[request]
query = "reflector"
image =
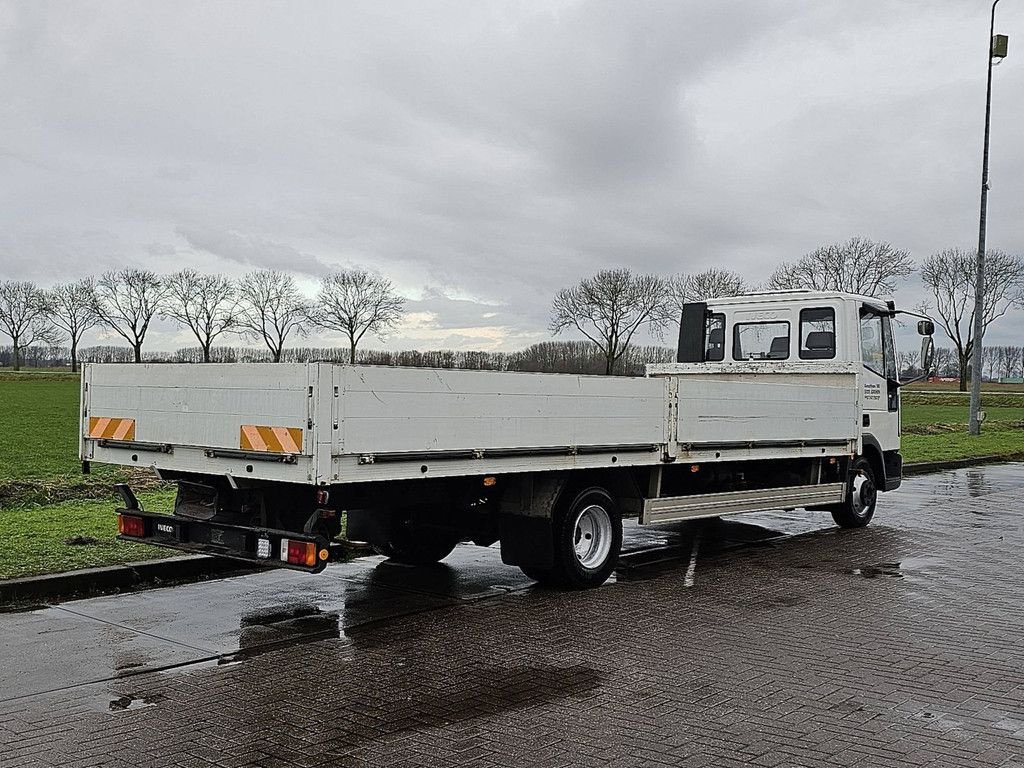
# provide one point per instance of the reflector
(263, 548)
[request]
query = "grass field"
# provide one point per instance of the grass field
(40, 416)
(45, 501)
(914, 413)
(70, 535)
(39, 466)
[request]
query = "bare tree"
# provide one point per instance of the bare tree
(272, 308)
(24, 316)
(205, 304)
(857, 266)
(946, 362)
(355, 302)
(950, 276)
(906, 363)
(126, 302)
(990, 356)
(73, 307)
(610, 307)
(710, 284)
(1014, 361)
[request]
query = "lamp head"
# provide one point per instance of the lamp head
(999, 43)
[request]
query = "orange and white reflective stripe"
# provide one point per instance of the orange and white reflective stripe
(270, 439)
(111, 429)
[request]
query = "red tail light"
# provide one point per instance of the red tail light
(129, 525)
(298, 552)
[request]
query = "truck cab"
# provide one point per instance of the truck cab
(789, 331)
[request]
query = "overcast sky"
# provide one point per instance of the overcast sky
(483, 154)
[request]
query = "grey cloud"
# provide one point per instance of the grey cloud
(251, 251)
(496, 150)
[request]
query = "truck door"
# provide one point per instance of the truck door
(880, 394)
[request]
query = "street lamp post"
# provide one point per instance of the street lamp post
(996, 50)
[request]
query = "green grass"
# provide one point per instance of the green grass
(44, 498)
(39, 427)
(954, 387)
(914, 413)
(949, 446)
(36, 538)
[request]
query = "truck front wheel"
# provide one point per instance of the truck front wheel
(861, 497)
(587, 539)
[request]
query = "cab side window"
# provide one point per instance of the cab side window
(891, 372)
(817, 334)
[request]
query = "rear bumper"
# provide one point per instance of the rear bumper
(237, 542)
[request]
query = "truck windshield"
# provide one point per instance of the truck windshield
(876, 346)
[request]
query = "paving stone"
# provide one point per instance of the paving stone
(897, 645)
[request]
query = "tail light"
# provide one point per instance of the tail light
(300, 552)
(130, 525)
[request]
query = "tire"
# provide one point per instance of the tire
(587, 539)
(415, 545)
(861, 497)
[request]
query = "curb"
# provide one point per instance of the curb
(117, 577)
(926, 467)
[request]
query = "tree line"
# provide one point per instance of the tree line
(265, 306)
(608, 308)
(999, 362)
(544, 357)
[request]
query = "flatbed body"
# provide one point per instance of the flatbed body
(357, 423)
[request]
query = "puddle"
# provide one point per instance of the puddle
(908, 568)
(127, 703)
(278, 614)
(487, 691)
(883, 570)
(278, 627)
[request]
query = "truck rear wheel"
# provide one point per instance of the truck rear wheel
(587, 539)
(861, 497)
(417, 545)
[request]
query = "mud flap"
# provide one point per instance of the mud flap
(526, 541)
(525, 522)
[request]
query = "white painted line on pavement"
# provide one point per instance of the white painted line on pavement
(692, 568)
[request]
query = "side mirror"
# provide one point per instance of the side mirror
(925, 327)
(927, 354)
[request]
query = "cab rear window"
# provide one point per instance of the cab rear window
(817, 333)
(761, 341)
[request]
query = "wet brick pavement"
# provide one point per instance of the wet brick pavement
(901, 644)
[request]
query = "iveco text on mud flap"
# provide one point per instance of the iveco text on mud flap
(777, 400)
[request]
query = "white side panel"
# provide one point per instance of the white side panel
(201, 405)
(197, 408)
(389, 410)
(750, 408)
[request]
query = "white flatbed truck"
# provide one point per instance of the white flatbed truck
(778, 401)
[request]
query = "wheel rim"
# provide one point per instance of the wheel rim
(593, 536)
(862, 496)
